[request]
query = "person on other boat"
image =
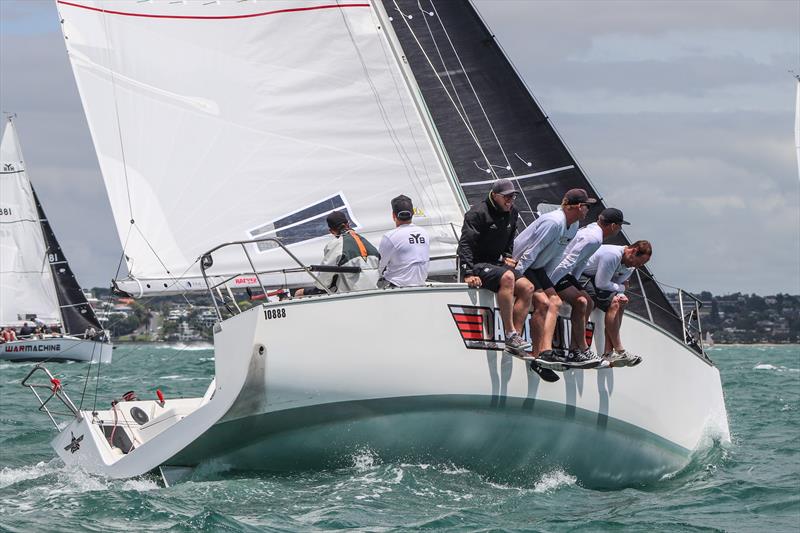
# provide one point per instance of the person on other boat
(347, 249)
(9, 334)
(25, 330)
(90, 333)
(485, 256)
(405, 250)
(569, 269)
(538, 247)
(605, 278)
(5, 336)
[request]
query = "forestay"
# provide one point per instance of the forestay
(26, 283)
(218, 122)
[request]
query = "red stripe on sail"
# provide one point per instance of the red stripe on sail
(472, 335)
(470, 327)
(221, 17)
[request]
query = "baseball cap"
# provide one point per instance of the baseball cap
(578, 196)
(402, 207)
(504, 186)
(613, 215)
(336, 219)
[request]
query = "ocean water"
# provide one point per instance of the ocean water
(751, 484)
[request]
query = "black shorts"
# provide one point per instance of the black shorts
(490, 275)
(601, 298)
(567, 281)
(539, 278)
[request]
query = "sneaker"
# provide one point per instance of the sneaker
(552, 360)
(545, 373)
(622, 358)
(615, 359)
(517, 345)
(632, 359)
(582, 359)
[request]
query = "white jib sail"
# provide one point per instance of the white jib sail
(217, 122)
(26, 283)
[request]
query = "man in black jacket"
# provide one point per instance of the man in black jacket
(484, 253)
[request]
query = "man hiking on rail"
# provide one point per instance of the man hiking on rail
(347, 249)
(537, 247)
(566, 274)
(605, 279)
(485, 256)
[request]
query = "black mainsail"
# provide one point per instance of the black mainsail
(76, 313)
(491, 125)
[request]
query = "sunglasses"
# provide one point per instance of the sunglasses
(510, 196)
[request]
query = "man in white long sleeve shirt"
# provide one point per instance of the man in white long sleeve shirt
(605, 279)
(566, 274)
(534, 249)
(404, 251)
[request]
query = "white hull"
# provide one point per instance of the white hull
(56, 349)
(389, 371)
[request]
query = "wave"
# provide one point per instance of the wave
(767, 366)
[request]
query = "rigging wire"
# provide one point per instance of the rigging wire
(426, 192)
(401, 151)
(430, 63)
(480, 104)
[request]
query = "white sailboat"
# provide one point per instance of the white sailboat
(37, 286)
(226, 132)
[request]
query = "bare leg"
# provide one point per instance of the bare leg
(579, 302)
(553, 305)
(540, 305)
(618, 342)
(523, 293)
(613, 321)
(505, 300)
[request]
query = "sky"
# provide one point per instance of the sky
(680, 112)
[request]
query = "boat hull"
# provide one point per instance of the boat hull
(309, 383)
(56, 349)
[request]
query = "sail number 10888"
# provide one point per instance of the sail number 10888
(275, 313)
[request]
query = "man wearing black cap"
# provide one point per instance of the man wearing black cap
(347, 249)
(537, 247)
(605, 279)
(485, 257)
(404, 251)
(569, 270)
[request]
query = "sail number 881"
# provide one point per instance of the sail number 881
(275, 313)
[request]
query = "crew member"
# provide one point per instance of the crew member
(485, 257)
(538, 246)
(404, 251)
(569, 270)
(347, 249)
(605, 279)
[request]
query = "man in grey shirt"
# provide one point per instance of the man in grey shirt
(605, 278)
